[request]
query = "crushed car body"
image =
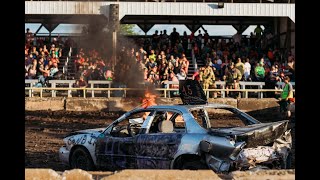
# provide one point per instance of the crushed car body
(181, 137)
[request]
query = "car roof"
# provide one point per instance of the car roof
(182, 107)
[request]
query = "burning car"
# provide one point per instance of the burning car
(181, 137)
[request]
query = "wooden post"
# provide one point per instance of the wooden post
(40, 92)
(92, 92)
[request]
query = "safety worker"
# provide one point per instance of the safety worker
(286, 96)
(207, 78)
(232, 78)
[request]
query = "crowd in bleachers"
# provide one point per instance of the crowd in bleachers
(257, 58)
(166, 57)
(42, 57)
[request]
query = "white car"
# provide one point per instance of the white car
(180, 137)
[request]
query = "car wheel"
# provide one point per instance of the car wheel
(81, 159)
(194, 165)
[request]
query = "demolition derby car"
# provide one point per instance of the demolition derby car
(215, 136)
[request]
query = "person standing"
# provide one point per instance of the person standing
(207, 78)
(247, 70)
(259, 72)
(232, 77)
(286, 95)
(240, 66)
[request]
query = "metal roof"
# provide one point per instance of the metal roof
(163, 8)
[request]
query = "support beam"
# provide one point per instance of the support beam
(50, 26)
(240, 27)
(203, 28)
(193, 27)
(145, 27)
(277, 31)
(38, 29)
(288, 35)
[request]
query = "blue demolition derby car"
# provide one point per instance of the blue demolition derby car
(181, 137)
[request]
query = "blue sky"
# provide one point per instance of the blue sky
(214, 30)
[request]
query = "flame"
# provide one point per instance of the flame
(148, 100)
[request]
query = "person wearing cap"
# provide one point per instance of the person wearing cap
(207, 78)
(286, 96)
(232, 77)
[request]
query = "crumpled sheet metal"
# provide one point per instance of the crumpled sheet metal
(251, 156)
(280, 149)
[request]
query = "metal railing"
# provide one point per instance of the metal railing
(166, 91)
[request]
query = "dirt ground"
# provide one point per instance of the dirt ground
(44, 131)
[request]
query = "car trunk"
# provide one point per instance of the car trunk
(254, 135)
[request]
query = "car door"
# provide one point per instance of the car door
(116, 149)
(156, 149)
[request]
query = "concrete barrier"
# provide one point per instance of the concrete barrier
(229, 101)
(263, 175)
(41, 174)
(158, 174)
(252, 104)
(126, 104)
(36, 104)
(164, 174)
(76, 174)
(86, 104)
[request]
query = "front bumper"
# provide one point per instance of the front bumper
(64, 155)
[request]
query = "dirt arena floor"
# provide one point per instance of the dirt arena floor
(44, 131)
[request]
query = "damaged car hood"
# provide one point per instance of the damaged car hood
(87, 131)
(254, 135)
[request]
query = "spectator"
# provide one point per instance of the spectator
(247, 70)
(152, 55)
(53, 71)
(173, 78)
(185, 41)
(237, 38)
(142, 54)
(181, 75)
(258, 32)
(155, 39)
(163, 80)
(270, 82)
(259, 72)
(286, 95)
(207, 78)
(81, 83)
(216, 66)
(29, 38)
(199, 40)
(240, 67)
(174, 37)
(233, 76)
(196, 74)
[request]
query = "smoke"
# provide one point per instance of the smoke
(97, 36)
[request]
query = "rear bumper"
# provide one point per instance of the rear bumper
(64, 155)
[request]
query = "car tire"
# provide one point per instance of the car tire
(194, 165)
(81, 159)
